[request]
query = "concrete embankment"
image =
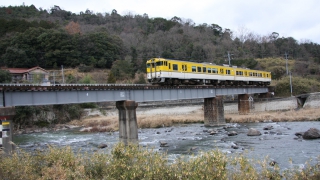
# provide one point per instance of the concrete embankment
(312, 101)
(261, 105)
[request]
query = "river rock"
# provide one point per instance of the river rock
(163, 144)
(268, 128)
(234, 147)
(312, 133)
(253, 132)
(273, 163)
(101, 146)
(232, 133)
(193, 148)
(213, 132)
(299, 134)
(85, 129)
(70, 126)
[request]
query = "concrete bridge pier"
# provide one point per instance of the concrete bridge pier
(6, 129)
(243, 104)
(214, 111)
(128, 126)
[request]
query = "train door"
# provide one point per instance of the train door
(151, 69)
(184, 71)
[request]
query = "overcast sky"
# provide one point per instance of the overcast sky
(299, 19)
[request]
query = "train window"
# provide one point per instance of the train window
(159, 63)
(204, 69)
(148, 65)
(169, 65)
(194, 69)
(245, 73)
(184, 67)
(175, 67)
(267, 75)
(209, 70)
(165, 63)
(227, 71)
(239, 73)
(221, 71)
(199, 69)
(214, 70)
(250, 74)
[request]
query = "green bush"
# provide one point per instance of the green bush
(87, 79)
(88, 105)
(299, 86)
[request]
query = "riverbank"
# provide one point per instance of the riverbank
(106, 121)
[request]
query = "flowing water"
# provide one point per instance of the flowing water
(280, 143)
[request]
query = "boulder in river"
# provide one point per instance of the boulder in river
(268, 128)
(101, 146)
(213, 132)
(299, 134)
(253, 132)
(163, 144)
(312, 133)
(234, 146)
(232, 133)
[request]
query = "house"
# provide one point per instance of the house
(33, 75)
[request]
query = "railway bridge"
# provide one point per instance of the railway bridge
(127, 97)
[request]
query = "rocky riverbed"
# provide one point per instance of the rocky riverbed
(282, 142)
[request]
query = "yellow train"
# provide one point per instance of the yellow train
(176, 72)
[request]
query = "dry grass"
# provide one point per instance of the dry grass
(110, 123)
(154, 121)
(135, 162)
(276, 116)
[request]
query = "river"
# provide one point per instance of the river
(280, 143)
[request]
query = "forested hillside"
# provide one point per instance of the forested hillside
(55, 37)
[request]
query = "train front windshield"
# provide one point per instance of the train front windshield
(159, 63)
(150, 65)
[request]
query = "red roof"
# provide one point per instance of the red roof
(23, 70)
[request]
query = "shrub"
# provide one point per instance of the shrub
(135, 162)
(299, 86)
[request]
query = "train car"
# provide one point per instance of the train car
(175, 72)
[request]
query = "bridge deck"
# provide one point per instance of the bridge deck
(25, 95)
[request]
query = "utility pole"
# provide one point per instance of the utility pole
(286, 55)
(290, 84)
(62, 74)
